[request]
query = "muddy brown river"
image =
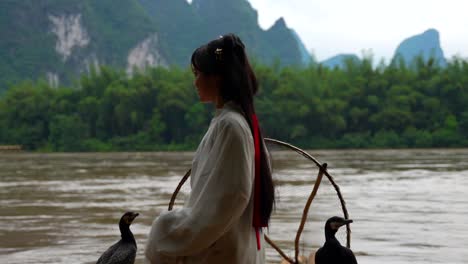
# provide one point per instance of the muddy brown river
(408, 206)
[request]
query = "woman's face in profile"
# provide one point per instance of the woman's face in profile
(207, 85)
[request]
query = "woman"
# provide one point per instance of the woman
(232, 192)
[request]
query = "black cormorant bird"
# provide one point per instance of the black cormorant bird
(124, 251)
(332, 251)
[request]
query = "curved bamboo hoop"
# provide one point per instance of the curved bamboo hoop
(330, 178)
(177, 190)
(174, 196)
(322, 171)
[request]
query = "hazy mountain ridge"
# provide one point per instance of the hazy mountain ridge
(427, 45)
(60, 39)
(340, 60)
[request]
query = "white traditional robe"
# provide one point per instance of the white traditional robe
(215, 224)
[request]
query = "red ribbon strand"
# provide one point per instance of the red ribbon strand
(257, 221)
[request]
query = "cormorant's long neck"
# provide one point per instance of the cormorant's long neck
(330, 235)
(127, 235)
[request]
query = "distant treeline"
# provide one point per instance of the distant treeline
(357, 106)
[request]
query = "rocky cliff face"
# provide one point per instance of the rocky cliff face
(59, 40)
(69, 33)
(145, 54)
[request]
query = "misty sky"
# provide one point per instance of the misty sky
(329, 27)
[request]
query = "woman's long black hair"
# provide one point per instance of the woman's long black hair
(226, 57)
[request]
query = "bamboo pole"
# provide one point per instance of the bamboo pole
(273, 245)
(306, 211)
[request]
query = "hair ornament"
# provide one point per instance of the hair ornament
(219, 54)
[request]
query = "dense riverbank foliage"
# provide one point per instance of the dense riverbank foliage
(358, 106)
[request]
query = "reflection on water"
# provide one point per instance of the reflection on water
(407, 205)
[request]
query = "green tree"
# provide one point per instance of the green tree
(67, 133)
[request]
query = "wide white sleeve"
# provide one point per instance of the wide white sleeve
(224, 191)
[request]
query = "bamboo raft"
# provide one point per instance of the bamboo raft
(322, 171)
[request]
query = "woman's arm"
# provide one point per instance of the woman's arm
(217, 200)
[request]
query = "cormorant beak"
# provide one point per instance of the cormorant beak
(134, 215)
(347, 221)
(137, 214)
